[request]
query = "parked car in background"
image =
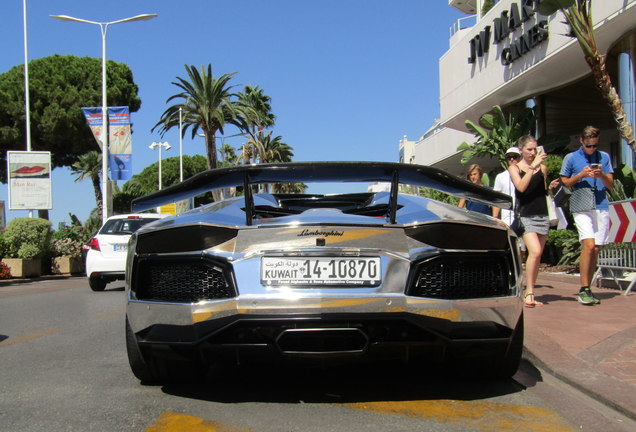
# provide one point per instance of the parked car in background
(107, 249)
(85, 248)
(345, 277)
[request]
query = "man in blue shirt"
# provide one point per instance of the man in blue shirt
(588, 171)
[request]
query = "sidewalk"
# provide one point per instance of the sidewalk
(591, 347)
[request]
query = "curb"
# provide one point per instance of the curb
(590, 375)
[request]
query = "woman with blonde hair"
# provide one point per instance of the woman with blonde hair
(529, 177)
(473, 175)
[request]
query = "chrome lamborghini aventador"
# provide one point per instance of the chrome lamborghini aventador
(335, 277)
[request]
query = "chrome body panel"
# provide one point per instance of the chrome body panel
(503, 311)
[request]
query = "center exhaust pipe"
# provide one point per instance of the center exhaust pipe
(322, 342)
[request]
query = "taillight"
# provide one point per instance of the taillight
(94, 244)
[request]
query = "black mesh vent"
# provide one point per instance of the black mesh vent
(182, 281)
(462, 276)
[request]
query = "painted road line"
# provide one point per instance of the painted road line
(26, 338)
(486, 416)
(174, 422)
(112, 314)
(16, 290)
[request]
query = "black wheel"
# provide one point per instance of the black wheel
(500, 364)
(509, 363)
(138, 364)
(96, 284)
(151, 369)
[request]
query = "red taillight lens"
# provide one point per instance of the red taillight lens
(94, 244)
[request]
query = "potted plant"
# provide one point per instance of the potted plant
(66, 249)
(26, 241)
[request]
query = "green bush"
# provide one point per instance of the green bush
(3, 246)
(568, 241)
(27, 238)
(571, 251)
(560, 237)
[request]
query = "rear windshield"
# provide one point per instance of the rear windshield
(124, 226)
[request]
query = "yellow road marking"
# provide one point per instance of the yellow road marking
(26, 338)
(112, 314)
(24, 290)
(486, 416)
(174, 422)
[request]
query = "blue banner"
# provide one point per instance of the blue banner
(119, 139)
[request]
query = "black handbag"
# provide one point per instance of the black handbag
(561, 194)
(517, 225)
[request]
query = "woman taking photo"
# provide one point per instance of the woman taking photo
(529, 177)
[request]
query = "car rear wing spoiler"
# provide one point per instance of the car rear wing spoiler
(315, 172)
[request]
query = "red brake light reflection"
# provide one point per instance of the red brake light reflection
(94, 244)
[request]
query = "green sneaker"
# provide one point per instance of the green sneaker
(589, 293)
(585, 297)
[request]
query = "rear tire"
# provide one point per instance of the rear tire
(501, 364)
(508, 365)
(138, 364)
(151, 369)
(96, 284)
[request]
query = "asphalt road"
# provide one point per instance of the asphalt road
(63, 367)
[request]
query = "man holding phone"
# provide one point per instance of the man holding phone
(588, 171)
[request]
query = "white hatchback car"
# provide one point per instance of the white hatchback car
(106, 258)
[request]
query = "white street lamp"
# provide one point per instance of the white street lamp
(161, 145)
(105, 138)
(180, 144)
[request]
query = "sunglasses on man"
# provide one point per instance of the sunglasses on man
(590, 145)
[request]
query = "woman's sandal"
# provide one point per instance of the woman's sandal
(531, 304)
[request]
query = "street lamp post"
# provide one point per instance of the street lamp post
(105, 138)
(161, 145)
(180, 144)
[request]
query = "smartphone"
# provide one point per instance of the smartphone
(595, 166)
(540, 150)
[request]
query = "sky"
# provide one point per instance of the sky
(348, 79)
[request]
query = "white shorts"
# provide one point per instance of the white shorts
(593, 224)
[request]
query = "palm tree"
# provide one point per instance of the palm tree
(228, 155)
(207, 104)
(89, 165)
(269, 150)
(255, 116)
(274, 150)
(495, 134)
(578, 14)
(258, 108)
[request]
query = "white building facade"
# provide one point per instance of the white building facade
(514, 57)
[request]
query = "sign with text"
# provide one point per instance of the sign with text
(29, 177)
(119, 139)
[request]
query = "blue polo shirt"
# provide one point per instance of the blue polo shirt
(573, 163)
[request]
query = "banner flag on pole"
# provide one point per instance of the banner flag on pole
(120, 142)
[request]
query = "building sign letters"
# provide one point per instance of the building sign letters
(507, 23)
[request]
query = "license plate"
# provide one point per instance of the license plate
(340, 271)
(120, 247)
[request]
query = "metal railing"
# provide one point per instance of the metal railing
(617, 256)
(463, 23)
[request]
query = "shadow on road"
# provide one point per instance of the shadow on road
(293, 384)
